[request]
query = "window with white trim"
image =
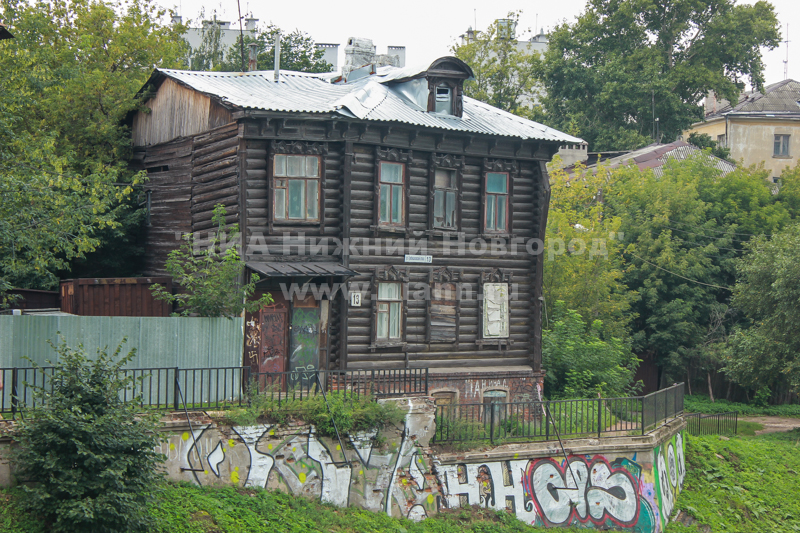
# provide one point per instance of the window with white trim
(391, 204)
(389, 318)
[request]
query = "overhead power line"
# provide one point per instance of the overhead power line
(678, 275)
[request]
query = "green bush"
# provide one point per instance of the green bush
(582, 361)
(351, 413)
(90, 457)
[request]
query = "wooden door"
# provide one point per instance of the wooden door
(274, 332)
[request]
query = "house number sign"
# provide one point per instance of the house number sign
(355, 299)
(419, 258)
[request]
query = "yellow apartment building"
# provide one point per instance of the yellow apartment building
(760, 128)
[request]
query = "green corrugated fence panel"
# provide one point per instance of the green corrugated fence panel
(159, 341)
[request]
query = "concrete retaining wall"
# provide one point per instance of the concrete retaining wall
(628, 483)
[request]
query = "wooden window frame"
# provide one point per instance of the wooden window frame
(444, 275)
(295, 148)
(511, 168)
(448, 162)
(779, 153)
(456, 93)
(389, 275)
(495, 275)
(391, 155)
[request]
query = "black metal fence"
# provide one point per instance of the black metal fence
(376, 383)
(716, 424)
(217, 388)
(550, 420)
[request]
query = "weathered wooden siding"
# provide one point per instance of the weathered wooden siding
(215, 177)
(168, 168)
(176, 111)
(269, 245)
(418, 352)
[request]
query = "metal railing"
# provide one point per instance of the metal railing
(529, 421)
(716, 424)
(375, 383)
(173, 388)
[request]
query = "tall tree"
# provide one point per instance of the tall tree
(625, 63)
(298, 52)
(503, 68)
(768, 292)
(67, 82)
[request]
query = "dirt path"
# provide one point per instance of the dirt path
(773, 424)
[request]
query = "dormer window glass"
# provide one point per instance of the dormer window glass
(444, 100)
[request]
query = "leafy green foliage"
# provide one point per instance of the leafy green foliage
(766, 353)
(67, 82)
(89, 454)
(350, 413)
(504, 75)
(210, 276)
(703, 141)
(581, 361)
(742, 484)
(298, 51)
(622, 64)
(699, 403)
(587, 274)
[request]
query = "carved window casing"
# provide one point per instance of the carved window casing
(392, 193)
(445, 197)
(389, 309)
(444, 309)
(497, 195)
(495, 316)
(296, 176)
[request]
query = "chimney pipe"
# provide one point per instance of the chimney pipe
(252, 64)
(277, 48)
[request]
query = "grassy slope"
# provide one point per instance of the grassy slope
(742, 485)
(189, 509)
(699, 403)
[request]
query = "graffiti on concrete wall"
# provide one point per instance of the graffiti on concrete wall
(395, 478)
(401, 478)
(669, 471)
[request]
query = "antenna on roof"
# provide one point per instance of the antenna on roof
(241, 32)
(786, 61)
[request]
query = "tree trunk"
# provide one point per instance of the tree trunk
(710, 388)
(689, 381)
(730, 389)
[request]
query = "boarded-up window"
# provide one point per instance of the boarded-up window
(495, 311)
(444, 305)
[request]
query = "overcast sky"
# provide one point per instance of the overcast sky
(429, 28)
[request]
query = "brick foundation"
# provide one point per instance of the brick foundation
(470, 385)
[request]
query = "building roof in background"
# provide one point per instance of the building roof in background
(655, 156)
(779, 99)
(372, 98)
(4, 33)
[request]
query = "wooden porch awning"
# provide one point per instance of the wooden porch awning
(277, 269)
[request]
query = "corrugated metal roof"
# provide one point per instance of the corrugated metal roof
(780, 98)
(370, 98)
(655, 156)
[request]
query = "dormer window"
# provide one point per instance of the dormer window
(445, 86)
(444, 100)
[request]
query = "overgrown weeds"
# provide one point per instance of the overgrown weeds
(698, 403)
(350, 413)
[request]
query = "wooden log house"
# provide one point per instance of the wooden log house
(379, 209)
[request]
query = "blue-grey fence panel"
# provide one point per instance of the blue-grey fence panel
(160, 342)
